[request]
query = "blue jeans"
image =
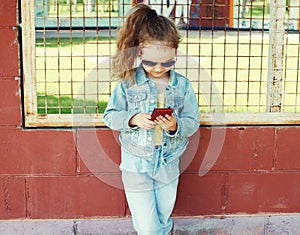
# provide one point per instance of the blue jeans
(151, 197)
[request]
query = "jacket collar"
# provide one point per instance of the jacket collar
(140, 76)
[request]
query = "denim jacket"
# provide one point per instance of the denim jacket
(126, 101)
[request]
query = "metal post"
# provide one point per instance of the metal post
(276, 55)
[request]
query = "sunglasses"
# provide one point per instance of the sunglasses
(163, 64)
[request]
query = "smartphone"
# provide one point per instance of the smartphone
(161, 111)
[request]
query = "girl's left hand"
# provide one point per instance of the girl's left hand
(168, 123)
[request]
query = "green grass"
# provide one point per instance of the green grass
(67, 105)
(260, 9)
(50, 104)
(102, 9)
(235, 62)
(68, 42)
(77, 69)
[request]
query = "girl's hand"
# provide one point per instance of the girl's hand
(142, 120)
(168, 123)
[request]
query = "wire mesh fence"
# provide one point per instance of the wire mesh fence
(226, 52)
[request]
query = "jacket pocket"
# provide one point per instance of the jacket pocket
(175, 148)
(136, 100)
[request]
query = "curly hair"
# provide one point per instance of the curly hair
(142, 26)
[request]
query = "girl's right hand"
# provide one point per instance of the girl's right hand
(142, 120)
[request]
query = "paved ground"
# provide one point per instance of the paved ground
(288, 224)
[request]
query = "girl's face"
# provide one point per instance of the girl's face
(157, 60)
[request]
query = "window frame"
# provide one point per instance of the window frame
(272, 116)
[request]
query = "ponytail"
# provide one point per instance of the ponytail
(143, 25)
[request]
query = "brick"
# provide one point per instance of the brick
(8, 13)
(10, 103)
(263, 193)
(194, 160)
(244, 149)
(191, 158)
(9, 64)
(200, 195)
(287, 148)
(12, 198)
(37, 151)
(98, 151)
(73, 197)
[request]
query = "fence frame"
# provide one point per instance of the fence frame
(272, 116)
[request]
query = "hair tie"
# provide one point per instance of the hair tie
(151, 14)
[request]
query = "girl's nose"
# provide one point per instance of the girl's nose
(158, 67)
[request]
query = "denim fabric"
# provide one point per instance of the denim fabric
(132, 163)
(150, 173)
(151, 197)
(127, 100)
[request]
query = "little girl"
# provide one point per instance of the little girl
(150, 148)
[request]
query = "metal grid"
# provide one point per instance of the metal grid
(72, 69)
(231, 72)
(241, 56)
(291, 63)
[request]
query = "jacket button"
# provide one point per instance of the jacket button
(149, 138)
(152, 101)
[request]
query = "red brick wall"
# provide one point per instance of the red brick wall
(43, 172)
